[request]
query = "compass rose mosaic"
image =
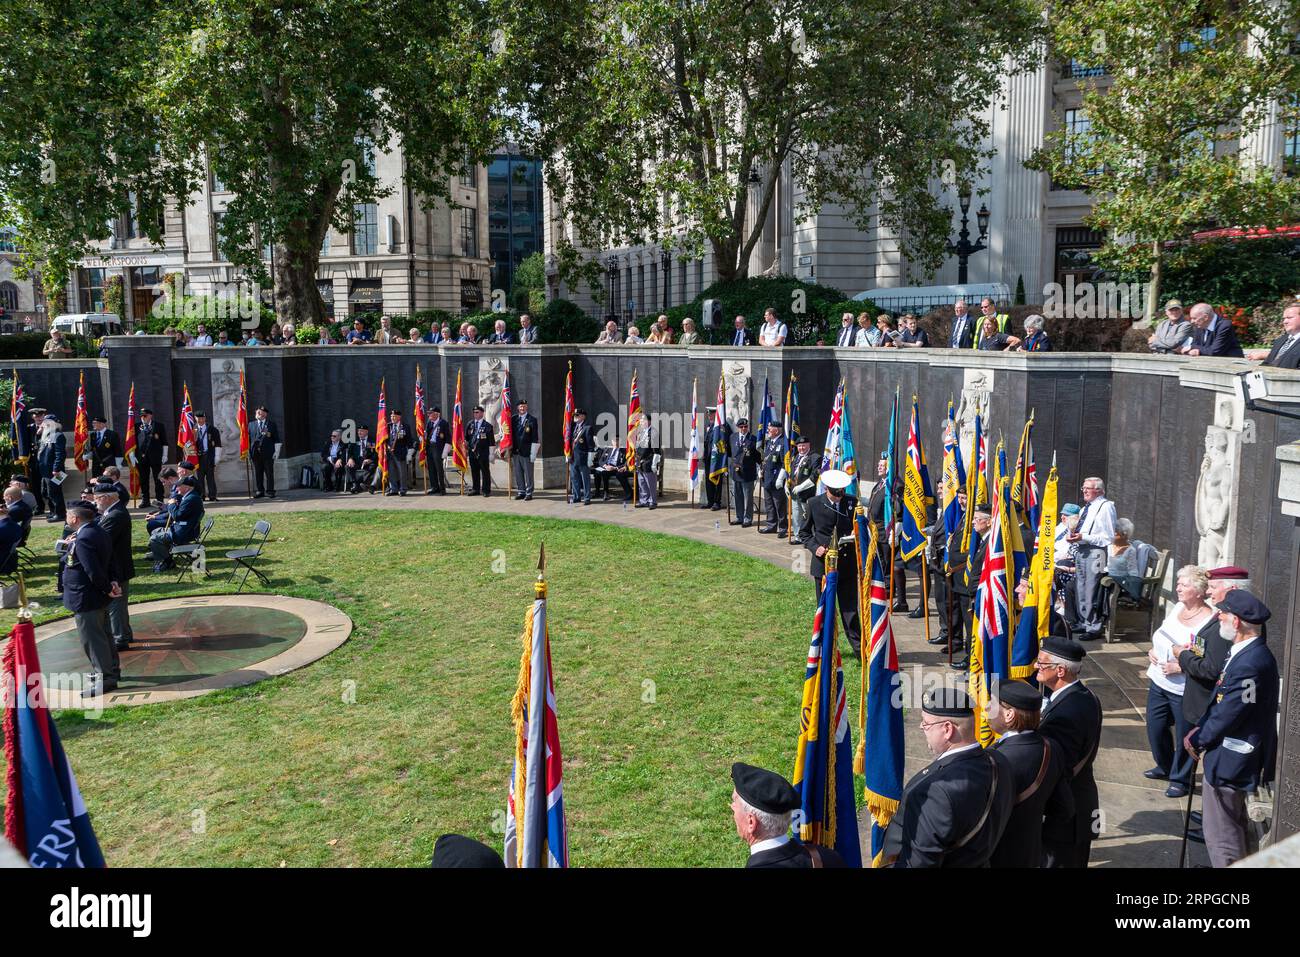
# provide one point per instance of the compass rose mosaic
(186, 647)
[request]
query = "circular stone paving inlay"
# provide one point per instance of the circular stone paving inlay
(185, 647)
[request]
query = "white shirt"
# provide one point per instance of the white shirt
(769, 844)
(203, 340)
(847, 335)
(951, 751)
(1239, 646)
(1057, 693)
(1173, 632)
(1061, 548)
(1010, 734)
(771, 332)
(1098, 526)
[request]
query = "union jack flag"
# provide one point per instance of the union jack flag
(459, 450)
(990, 660)
(536, 831)
(186, 430)
(838, 453)
(882, 719)
(17, 406)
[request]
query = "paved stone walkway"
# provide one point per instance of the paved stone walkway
(1141, 827)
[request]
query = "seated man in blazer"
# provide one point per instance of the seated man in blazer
(1212, 335)
(1285, 353)
(611, 464)
(182, 528)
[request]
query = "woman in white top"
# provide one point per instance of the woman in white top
(1166, 726)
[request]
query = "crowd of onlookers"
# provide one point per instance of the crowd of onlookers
(1199, 332)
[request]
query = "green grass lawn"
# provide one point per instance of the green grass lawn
(672, 659)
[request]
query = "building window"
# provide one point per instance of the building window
(365, 229)
(1077, 70)
(699, 276)
(469, 232)
(1206, 38)
(90, 287)
(1075, 246)
(469, 178)
(1290, 142)
(220, 239)
(8, 296)
(8, 240)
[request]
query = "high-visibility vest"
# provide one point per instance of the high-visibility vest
(1001, 319)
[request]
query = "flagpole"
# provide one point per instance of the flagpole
(925, 599)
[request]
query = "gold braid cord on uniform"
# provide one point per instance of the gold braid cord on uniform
(518, 705)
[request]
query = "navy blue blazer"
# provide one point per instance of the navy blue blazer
(744, 457)
(1239, 731)
(1220, 339)
(52, 455)
(186, 516)
(86, 583)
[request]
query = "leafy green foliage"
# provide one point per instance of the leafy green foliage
(1226, 271)
(671, 120)
(807, 309)
(1184, 83)
(529, 292)
(22, 345)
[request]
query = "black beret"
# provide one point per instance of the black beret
(1066, 648)
(82, 503)
(187, 464)
(763, 789)
(740, 422)
(455, 850)
(1019, 694)
(189, 481)
(146, 411)
(802, 439)
(200, 415)
(948, 702)
(105, 488)
(1245, 606)
(478, 408)
(98, 418)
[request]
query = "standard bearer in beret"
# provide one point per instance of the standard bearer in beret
(762, 803)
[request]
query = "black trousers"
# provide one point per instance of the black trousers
(208, 473)
(35, 483)
(846, 599)
(776, 508)
(54, 498)
(712, 492)
(1060, 854)
(480, 474)
(149, 479)
(332, 476)
(602, 480)
(264, 472)
(437, 474)
(361, 476)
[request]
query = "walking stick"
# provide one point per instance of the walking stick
(925, 600)
(948, 592)
(510, 455)
(1187, 817)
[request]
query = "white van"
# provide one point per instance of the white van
(93, 324)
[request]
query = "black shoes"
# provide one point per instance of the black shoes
(899, 606)
(746, 524)
(121, 644)
(259, 495)
(916, 613)
(766, 530)
(734, 521)
(472, 492)
(1176, 791)
(938, 640)
(528, 497)
(1155, 774)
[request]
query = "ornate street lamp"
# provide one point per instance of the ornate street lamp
(666, 263)
(963, 248)
(611, 269)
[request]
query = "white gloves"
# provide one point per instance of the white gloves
(216, 455)
(276, 454)
(164, 458)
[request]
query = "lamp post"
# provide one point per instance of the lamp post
(666, 264)
(611, 271)
(963, 248)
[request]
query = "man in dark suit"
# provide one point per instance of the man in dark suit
(31, 430)
(18, 510)
(963, 327)
(363, 461)
(1238, 733)
(116, 521)
(828, 519)
(183, 527)
(1212, 335)
(437, 435)
(611, 465)
(87, 589)
(11, 531)
(741, 336)
(479, 439)
(105, 446)
(524, 438)
(717, 446)
(501, 336)
(762, 805)
(52, 456)
(207, 450)
(954, 811)
(1072, 719)
(581, 445)
(744, 457)
(848, 332)
(150, 451)
(333, 462)
(262, 441)
(774, 450)
(399, 446)
(1285, 353)
(1037, 773)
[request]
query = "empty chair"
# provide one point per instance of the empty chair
(247, 556)
(196, 551)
